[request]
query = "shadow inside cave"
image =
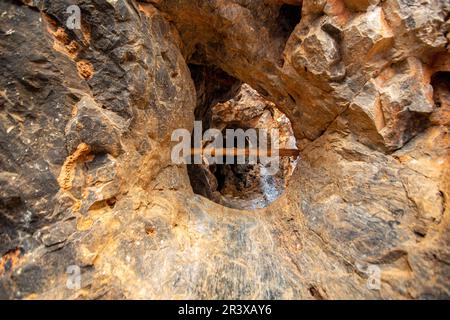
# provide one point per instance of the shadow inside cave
(225, 104)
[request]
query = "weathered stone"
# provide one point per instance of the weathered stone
(244, 186)
(86, 179)
(319, 54)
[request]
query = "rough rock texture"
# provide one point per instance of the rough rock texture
(244, 186)
(85, 171)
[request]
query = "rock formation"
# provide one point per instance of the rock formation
(87, 181)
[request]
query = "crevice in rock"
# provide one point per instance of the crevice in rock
(288, 18)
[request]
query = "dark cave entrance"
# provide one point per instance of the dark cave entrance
(231, 107)
(289, 16)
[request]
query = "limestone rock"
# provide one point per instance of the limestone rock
(86, 179)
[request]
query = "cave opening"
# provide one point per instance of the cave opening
(288, 18)
(231, 107)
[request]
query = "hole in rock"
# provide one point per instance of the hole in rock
(241, 175)
(441, 86)
(289, 17)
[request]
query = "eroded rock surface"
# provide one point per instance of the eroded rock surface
(85, 172)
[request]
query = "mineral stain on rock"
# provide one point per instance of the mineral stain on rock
(360, 88)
